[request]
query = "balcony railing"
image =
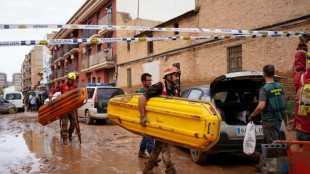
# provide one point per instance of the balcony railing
(85, 63)
(106, 20)
(97, 58)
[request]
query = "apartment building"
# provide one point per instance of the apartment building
(3, 79)
(90, 63)
(32, 69)
(47, 58)
(17, 81)
(201, 61)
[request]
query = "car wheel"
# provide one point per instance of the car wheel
(199, 157)
(88, 120)
(11, 111)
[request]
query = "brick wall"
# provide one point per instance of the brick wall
(201, 64)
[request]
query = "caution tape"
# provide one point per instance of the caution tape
(133, 39)
(141, 28)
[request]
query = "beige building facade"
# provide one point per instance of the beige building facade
(201, 61)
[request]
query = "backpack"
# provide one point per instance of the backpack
(303, 95)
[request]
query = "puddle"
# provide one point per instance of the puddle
(13, 151)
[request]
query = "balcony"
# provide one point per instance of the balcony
(85, 63)
(70, 49)
(105, 20)
(101, 60)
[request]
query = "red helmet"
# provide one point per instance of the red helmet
(171, 70)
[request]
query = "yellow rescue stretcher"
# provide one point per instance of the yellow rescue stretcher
(188, 123)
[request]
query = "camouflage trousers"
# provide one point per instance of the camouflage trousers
(64, 124)
(164, 148)
(271, 130)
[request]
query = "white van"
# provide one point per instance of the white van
(17, 99)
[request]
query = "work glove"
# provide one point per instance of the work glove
(143, 121)
(250, 117)
(304, 38)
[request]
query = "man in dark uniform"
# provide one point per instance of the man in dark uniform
(146, 143)
(168, 88)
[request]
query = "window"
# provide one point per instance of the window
(90, 92)
(94, 80)
(90, 51)
(234, 58)
(195, 94)
(176, 65)
(77, 83)
(150, 48)
(176, 25)
(99, 79)
(129, 78)
(99, 47)
(98, 16)
(83, 83)
(109, 9)
(128, 46)
(89, 80)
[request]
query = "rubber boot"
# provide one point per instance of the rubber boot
(157, 161)
(148, 168)
(142, 154)
(170, 169)
(70, 136)
(65, 141)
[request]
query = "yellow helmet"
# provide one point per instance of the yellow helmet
(71, 76)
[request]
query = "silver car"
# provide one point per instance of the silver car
(235, 95)
(7, 107)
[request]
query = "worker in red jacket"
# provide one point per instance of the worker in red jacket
(64, 119)
(302, 89)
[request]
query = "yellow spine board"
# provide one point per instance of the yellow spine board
(189, 123)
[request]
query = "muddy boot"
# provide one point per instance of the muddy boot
(148, 168)
(70, 136)
(157, 161)
(170, 169)
(65, 141)
(142, 154)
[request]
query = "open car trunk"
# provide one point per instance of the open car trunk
(237, 94)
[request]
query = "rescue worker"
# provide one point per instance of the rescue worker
(168, 88)
(301, 82)
(146, 143)
(69, 85)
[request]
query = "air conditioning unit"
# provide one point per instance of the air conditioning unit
(55, 66)
(66, 60)
(84, 51)
(55, 48)
(72, 57)
(59, 63)
(72, 34)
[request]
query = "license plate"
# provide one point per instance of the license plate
(242, 130)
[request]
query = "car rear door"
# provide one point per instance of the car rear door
(103, 97)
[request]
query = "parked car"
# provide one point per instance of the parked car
(98, 95)
(16, 98)
(6, 106)
(234, 95)
(57, 94)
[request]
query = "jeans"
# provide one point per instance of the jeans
(147, 143)
(302, 136)
(271, 130)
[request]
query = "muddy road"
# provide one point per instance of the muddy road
(28, 147)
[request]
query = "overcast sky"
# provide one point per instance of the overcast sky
(59, 12)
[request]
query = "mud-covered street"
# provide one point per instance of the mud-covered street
(28, 147)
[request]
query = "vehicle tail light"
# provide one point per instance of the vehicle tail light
(95, 100)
